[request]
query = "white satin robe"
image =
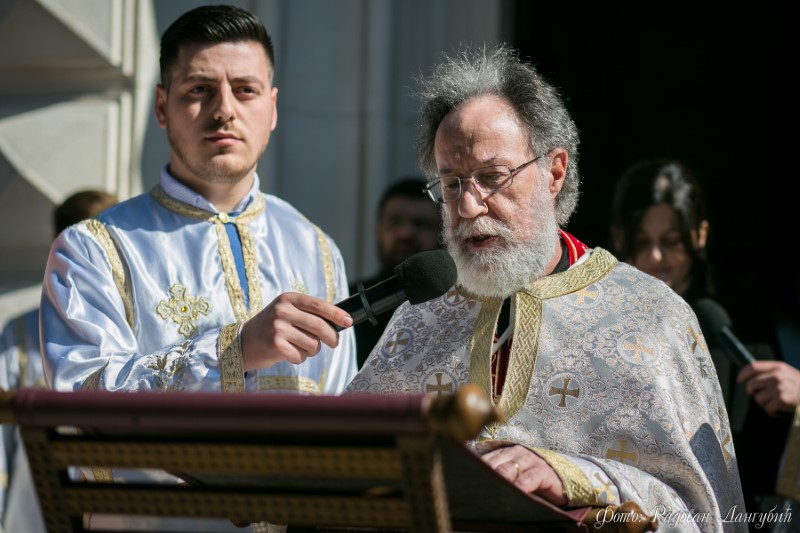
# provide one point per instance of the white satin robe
(147, 297)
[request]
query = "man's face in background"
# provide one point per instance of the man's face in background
(407, 226)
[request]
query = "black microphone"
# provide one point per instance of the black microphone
(421, 277)
(716, 323)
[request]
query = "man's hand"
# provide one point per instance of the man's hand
(527, 471)
(291, 328)
(774, 385)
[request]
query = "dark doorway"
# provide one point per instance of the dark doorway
(708, 85)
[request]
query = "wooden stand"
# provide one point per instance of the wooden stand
(317, 463)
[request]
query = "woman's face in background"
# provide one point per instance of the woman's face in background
(659, 249)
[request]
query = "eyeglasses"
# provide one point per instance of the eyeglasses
(487, 180)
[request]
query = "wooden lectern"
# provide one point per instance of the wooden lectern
(354, 462)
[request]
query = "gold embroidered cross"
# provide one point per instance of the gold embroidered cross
(183, 309)
(399, 341)
(165, 375)
(564, 392)
(638, 349)
(440, 387)
(695, 338)
(586, 294)
(621, 455)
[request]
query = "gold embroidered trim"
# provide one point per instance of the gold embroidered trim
(158, 194)
(327, 264)
(250, 264)
(229, 355)
(232, 281)
(527, 326)
(289, 383)
(480, 371)
(596, 267)
(118, 269)
(524, 352)
(577, 486)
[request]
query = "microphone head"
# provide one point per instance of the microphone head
(712, 317)
(426, 275)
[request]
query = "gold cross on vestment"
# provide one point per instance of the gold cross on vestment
(621, 455)
(564, 392)
(440, 387)
(182, 309)
(638, 349)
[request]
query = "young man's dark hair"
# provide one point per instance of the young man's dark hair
(212, 24)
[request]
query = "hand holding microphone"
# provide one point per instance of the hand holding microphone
(293, 326)
(421, 277)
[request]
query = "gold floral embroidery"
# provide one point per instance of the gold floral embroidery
(167, 377)
(183, 309)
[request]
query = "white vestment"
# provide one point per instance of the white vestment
(609, 380)
(150, 296)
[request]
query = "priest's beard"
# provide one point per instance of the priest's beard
(519, 260)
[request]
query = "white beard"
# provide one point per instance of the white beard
(519, 260)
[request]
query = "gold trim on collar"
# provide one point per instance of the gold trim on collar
(118, 268)
(232, 281)
(527, 327)
(176, 206)
(596, 266)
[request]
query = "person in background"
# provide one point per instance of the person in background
(21, 366)
(204, 283)
(408, 223)
(659, 224)
(597, 367)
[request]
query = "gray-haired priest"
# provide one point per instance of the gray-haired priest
(602, 373)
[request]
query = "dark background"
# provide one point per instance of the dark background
(710, 86)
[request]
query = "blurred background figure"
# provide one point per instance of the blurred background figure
(408, 223)
(21, 366)
(660, 224)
